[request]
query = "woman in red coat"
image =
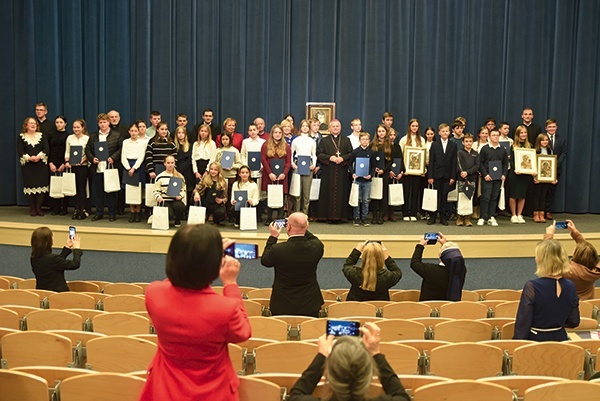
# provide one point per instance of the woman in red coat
(275, 154)
(194, 324)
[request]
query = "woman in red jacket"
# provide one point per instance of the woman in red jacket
(194, 324)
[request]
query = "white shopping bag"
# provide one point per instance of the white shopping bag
(464, 206)
(248, 218)
(133, 194)
(196, 215)
(69, 186)
(353, 200)
(56, 182)
(396, 194)
(430, 199)
(502, 199)
(315, 189)
(160, 218)
(275, 196)
(112, 182)
(377, 188)
(295, 185)
(150, 199)
(453, 195)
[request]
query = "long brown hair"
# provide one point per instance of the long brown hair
(409, 134)
(274, 148)
(386, 146)
(207, 180)
(185, 144)
(41, 242)
(372, 263)
(517, 140)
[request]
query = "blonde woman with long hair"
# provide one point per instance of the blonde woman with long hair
(177, 203)
(212, 191)
(377, 273)
(277, 150)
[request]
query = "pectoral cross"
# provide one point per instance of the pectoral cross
(337, 153)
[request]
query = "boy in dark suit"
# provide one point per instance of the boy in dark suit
(442, 172)
(558, 144)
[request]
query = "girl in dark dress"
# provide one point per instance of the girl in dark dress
(540, 189)
(49, 268)
(32, 148)
(57, 142)
(184, 159)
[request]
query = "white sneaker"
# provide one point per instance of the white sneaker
(413, 218)
(492, 222)
(406, 219)
(480, 222)
(520, 220)
(514, 219)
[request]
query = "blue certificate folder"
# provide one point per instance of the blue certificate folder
(396, 166)
(379, 160)
(227, 159)
(130, 180)
(495, 169)
(254, 161)
(277, 166)
(506, 146)
(303, 164)
(361, 166)
(175, 184)
(241, 198)
(101, 151)
(76, 154)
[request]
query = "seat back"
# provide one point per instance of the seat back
(469, 296)
(351, 308)
(121, 323)
(120, 354)
(19, 297)
(465, 361)
(124, 303)
(69, 300)
(549, 359)
(313, 329)
(35, 348)
(405, 295)
(254, 389)
(400, 329)
(83, 286)
(505, 295)
(461, 390)
(507, 309)
(461, 330)
(276, 357)
(253, 308)
(27, 284)
(268, 327)
(22, 386)
(236, 354)
(464, 310)
(402, 358)
(123, 288)
(519, 384)
(561, 391)
(259, 293)
(9, 319)
(406, 310)
(103, 386)
(54, 319)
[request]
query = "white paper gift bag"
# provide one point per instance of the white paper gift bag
(453, 195)
(353, 200)
(315, 189)
(112, 182)
(248, 218)
(430, 199)
(56, 186)
(196, 215)
(377, 188)
(160, 218)
(69, 186)
(133, 194)
(275, 196)
(295, 185)
(396, 194)
(149, 193)
(501, 198)
(464, 206)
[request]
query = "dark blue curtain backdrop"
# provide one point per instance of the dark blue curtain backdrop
(432, 60)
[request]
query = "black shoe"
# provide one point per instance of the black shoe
(112, 218)
(431, 221)
(444, 222)
(177, 223)
(97, 217)
(132, 218)
(137, 217)
(82, 216)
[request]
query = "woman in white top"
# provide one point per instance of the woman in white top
(177, 203)
(304, 145)
(81, 170)
(252, 144)
(133, 154)
(482, 138)
(203, 150)
(412, 183)
(244, 183)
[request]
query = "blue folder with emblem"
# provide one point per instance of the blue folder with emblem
(379, 158)
(101, 151)
(175, 184)
(254, 161)
(495, 169)
(277, 166)
(396, 166)
(76, 154)
(361, 166)
(241, 198)
(303, 164)
(227, 159)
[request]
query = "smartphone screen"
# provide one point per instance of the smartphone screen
(242, 251)
(431, 238)
(560, 224)
(72, 232)
(374, 242)
(281, 223)
(343, 328)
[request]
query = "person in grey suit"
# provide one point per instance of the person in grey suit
(295, 287)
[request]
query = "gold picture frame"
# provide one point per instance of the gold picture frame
(525, 161)
(546, 168)
(414, 160)
(324, 112)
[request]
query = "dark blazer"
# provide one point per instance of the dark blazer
(442, 165)
(49, 269)
(560, 150)
(295, 288)
(114, 142)
(386, 279)
(435, 277)
(304, 387)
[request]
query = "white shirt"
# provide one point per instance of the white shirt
(133, 150)
(354, 140)
(72, 140)
(304, 145)
(102, 138)
(252, 145)
(202, 151)
(251, 187)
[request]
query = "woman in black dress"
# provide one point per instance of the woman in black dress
(49, 268)
(32, 148)
(57, 142)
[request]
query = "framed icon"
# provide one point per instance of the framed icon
(525, 161)
(546, 168)
(414, 160)
(324, 112)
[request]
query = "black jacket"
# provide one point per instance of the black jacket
(435, 277)
(49, 269)
(386, 279)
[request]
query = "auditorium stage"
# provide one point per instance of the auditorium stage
(506, 241)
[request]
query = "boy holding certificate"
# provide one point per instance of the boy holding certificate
(362, 167)
(493, 167)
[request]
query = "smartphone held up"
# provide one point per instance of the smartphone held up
(242, 251)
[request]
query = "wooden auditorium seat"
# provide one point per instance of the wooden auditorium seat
(351, 308)
(121, 323)
(123, 288)
(83, 286)
(120, 354)
(329, 295)
(19, 297)
(124, 303)
(254, 389)
(69, 300)
(35, 348)
(54, 375)
(236, 354)
(461, 330)
(470, 296)
(563, 391)
(285, 357)
(22, 386)
(9, 319)
(27, 284)
(284, 380)
(401, 329)
(549, 359)
(461, 390)
(519, 384)
(465, 361)
(269, 327)
(406, 310)
(4, 283)
(402, 358)
(259, 293)
(313, 329)
(405, 295)
(79, 340)
(101, 284)
(413, 382)
(507, 309)
(53, 319)
(508, 331)
(253, 308)
(505, 295)
(464, 310)
(103, 386)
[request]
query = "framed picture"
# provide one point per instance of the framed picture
(525, 161)
(546, 168)
(324, 112)
(414, 160)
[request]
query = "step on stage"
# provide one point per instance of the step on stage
(505, 241)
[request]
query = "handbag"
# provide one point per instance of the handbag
(111, 180)
(429, 200)
(396, 194)
(502, 199)
(197, 214)
(377, 188)
(149, 194)
(133, 194)
(248, 218)
(160, 217)
(295, 185)
(353, 200)
(315, 189)
(56, 186)
(464, 205)
(69, 186)
(275, 196)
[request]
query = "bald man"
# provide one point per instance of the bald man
(295, 288)
(115, 123)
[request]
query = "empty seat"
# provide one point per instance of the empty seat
(22, 386)
(469, 296)
(402, 358)
(103, 386)
(465, 361)
(423, 345)
(253, 308)
(54, 319)
(9, 319)
(119, 354)
(121, 323)
(4, 283)
(69, 300)
(351, 308)
(519, 384)
(413, 382)
(123, 288)
(464, 310)
(312, 329)
(285, 357)
(79, 340)
(461, 390)
(507, 309)
(19, 297)
(400, 329)
(406, 310)
(329, 295)
(563, 391)
(406, 295)
(268, 327)
(236, 354)
(461, 330)
(254, 389)
(505, 295)
(259, 293)
(124, 303)
(35, 348)
(83, 286)
(53, 375)
(549, 359)
(27, 284)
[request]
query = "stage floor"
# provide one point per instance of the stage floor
(505, 241)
